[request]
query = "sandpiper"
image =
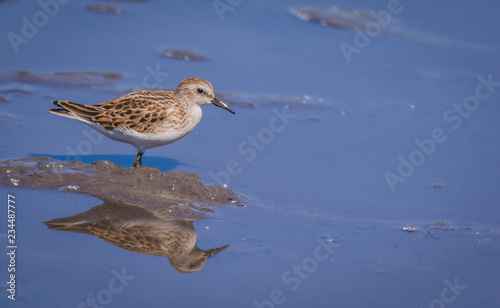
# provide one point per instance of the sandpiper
(146, 119)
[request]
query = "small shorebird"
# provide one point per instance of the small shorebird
(146, 119)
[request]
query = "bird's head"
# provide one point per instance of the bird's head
(199, 91)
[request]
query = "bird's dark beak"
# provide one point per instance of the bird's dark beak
(221, 104)
(212, 252)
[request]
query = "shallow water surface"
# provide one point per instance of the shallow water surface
(343, 144)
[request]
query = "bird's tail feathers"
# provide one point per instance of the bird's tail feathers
(74, 110)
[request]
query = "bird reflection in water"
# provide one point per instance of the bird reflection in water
(141, 230)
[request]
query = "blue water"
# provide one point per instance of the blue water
(316, 181)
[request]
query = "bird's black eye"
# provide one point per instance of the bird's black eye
(199, 90)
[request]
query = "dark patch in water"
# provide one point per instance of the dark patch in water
(335, 17)
(99, 8)
(261, 100)
(442, 226)
(127, 1)
(183, 54)
(14, 91)
(61, 79)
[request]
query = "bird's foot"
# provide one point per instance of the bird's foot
(137, 161)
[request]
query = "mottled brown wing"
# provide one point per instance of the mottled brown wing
(139, 111)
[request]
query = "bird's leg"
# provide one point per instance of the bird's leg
(137, 161)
